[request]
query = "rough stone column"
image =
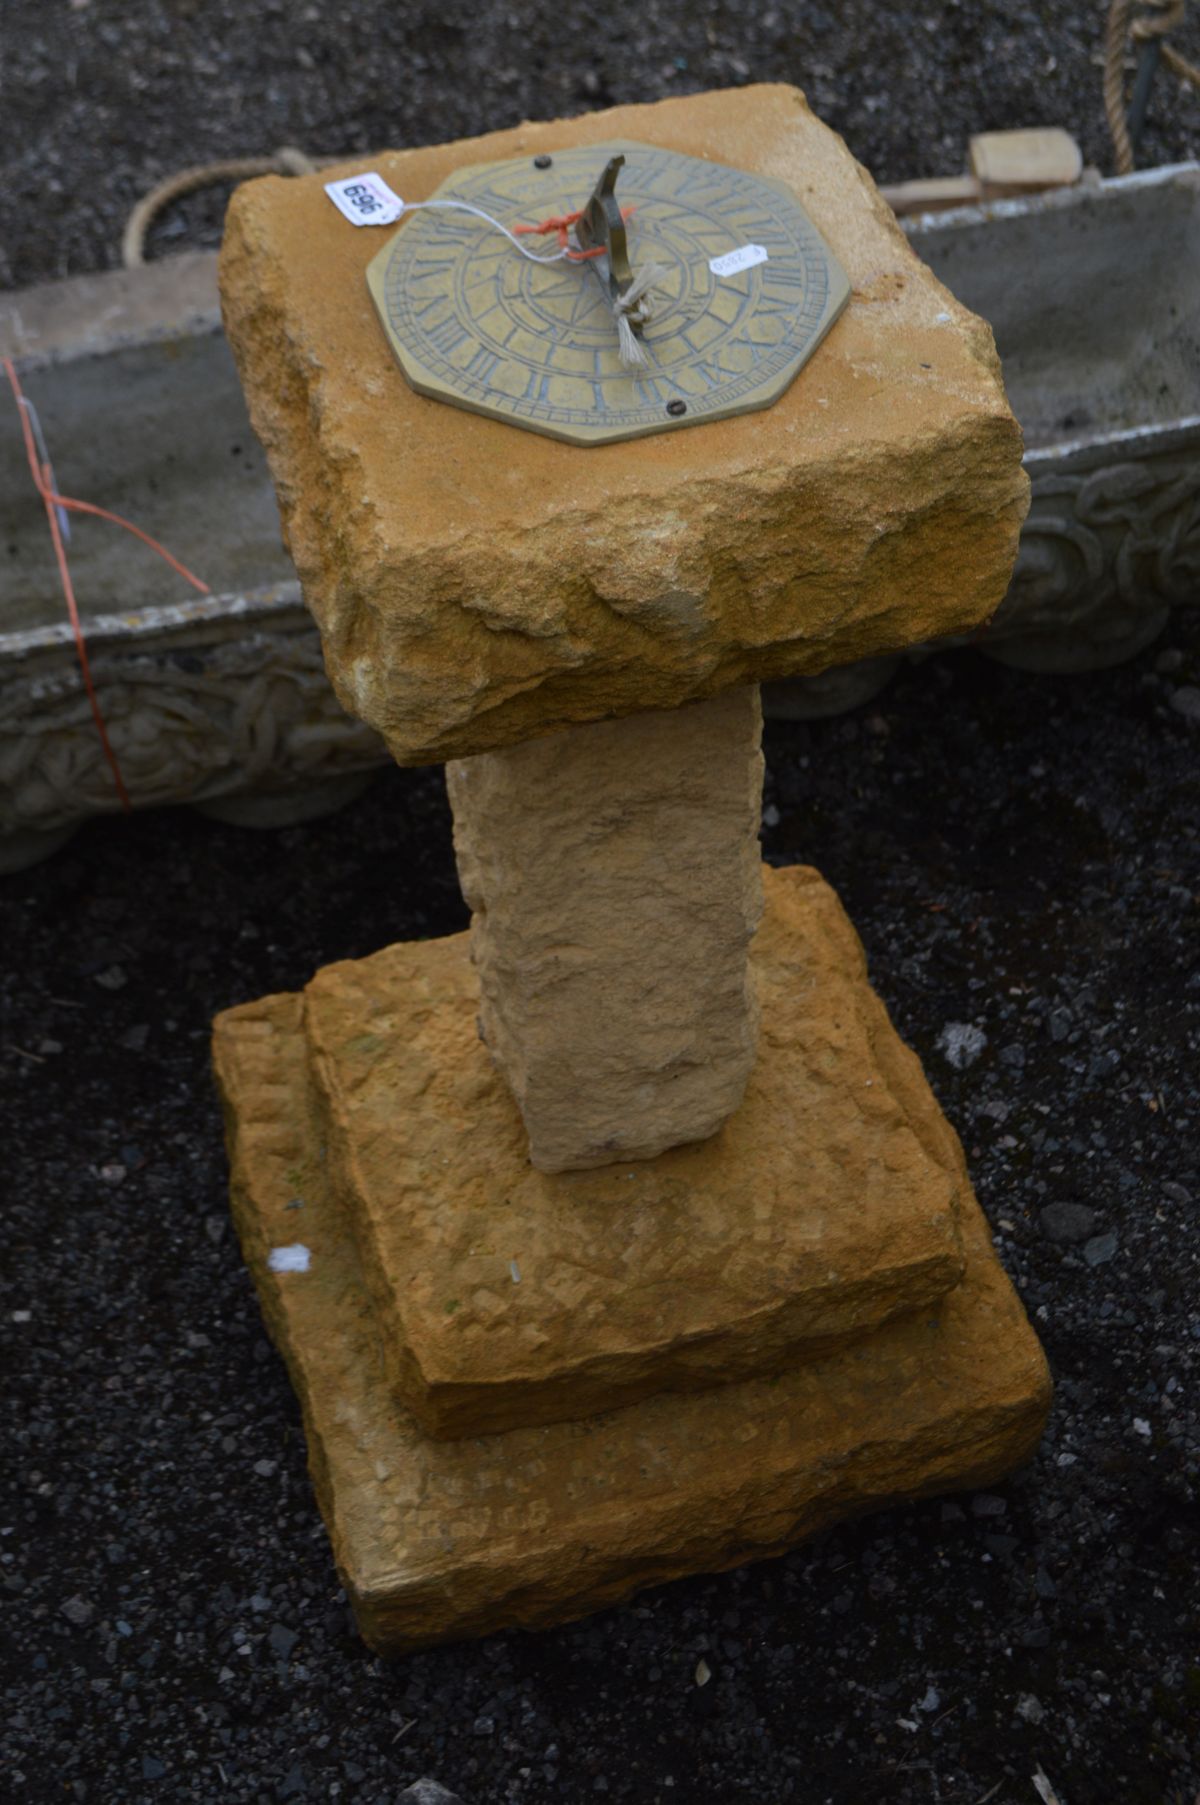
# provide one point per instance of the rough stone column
(614, 876)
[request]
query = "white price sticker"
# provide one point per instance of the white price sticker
(365, 200)
(734, 262)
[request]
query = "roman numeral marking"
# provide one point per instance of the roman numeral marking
(482, 365)
(447, 335)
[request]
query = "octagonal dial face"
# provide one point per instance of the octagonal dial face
(474, 323)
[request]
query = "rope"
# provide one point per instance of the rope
(630, 310)
(1116, 32)
(287, 160)
(1167, 16)
(1149, 30)
(1180, 66)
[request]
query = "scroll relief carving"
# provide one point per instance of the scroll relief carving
(1105, 554)
(187, 724)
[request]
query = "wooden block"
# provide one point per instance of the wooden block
(934, 195)
(1032, 158)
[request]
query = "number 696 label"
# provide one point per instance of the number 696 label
(365, 200)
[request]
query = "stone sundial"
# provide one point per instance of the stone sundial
(621, 1237)
(745, 290)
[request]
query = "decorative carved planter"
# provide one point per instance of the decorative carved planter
(220, 701)
(223, 702)
(1091, 292)
(211, 702)
(1107, 548)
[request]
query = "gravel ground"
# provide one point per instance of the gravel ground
(1022, 858)
(101, 99)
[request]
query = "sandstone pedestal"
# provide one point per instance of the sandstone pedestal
(724, 1282)
(613, 876)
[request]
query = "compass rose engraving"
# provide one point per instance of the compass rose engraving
(475, 324)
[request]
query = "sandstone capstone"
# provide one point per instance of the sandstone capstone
(476, 585)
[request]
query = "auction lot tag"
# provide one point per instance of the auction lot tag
(734, 262)
(365, 200)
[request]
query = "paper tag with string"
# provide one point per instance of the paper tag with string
(365, 200)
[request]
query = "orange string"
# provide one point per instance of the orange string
(561, 224)
(52, 501)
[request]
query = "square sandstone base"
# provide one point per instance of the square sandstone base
(505, 1297)
(438, 1539)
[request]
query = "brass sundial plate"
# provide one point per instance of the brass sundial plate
(474, 323)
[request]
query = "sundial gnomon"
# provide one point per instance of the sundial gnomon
(475, 323)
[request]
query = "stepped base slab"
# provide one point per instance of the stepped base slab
(827, 1203)
(437, 1540)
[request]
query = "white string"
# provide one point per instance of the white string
(629, 310)
(632, 309)
(466, 207)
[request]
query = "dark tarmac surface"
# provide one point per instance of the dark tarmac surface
(103, 98)
(1021, 856)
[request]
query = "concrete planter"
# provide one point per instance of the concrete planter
(220, 701)
(1091, 292)
(223, 701)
